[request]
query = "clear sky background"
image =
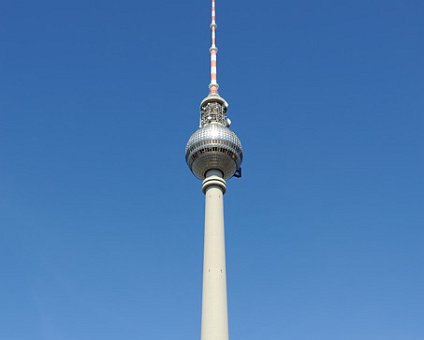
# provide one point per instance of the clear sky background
(101, 222)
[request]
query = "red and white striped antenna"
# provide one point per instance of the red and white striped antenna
(213, 86)
(213, 108)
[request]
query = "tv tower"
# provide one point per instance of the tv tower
(214, 154)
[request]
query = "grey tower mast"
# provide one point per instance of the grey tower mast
(214, 154)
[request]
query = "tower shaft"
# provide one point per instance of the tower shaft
(214, 295)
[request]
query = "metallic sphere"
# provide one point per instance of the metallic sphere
(214, 146)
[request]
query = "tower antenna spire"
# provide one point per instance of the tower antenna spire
(213, 86)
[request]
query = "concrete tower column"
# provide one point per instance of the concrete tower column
(214, 294)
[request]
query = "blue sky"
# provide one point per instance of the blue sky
(101, 222)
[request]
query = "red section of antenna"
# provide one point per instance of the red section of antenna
(213, 86)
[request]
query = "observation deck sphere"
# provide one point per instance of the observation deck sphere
(214, 146)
